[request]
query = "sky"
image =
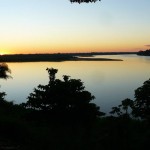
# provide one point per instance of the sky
(58, 26)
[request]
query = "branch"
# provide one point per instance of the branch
(83, 1)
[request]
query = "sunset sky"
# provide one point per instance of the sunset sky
(52, 26)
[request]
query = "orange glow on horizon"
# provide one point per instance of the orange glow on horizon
(70, 51)
(73, 48)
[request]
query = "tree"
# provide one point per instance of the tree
(2, 95)
(126, 105)
(123, 109)
(116, 110)
(4, 70)
(144, 53)
(66, 97)
(142, 101)
(52, 74)
(83, 1)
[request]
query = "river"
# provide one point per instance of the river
(109, 81)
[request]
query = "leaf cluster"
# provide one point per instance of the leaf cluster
(138, 108)
(83, 1)
(4, 69)
(63, 97)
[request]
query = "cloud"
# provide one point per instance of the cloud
(148, 45)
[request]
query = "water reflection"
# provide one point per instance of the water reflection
(109, 81)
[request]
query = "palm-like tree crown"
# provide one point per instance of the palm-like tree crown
(4, 70)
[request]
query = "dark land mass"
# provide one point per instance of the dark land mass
(102, 53)
(21, 129)
(59, 57)
(96, 59)
(144, 53)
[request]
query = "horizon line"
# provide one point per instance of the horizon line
(71, 53)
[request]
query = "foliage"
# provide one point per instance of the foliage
(66, 97)
(2, 96)
(4, 70)
(140, 107)
(142, 101)
(83, 1)
(123, 109)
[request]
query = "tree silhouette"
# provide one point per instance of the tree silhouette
(116, 110)
(66, 97)
(123, 109)
(4, 70)
(83, 1)
(126, 105)
(144, 53)
(52, 74)
(142, 101)
(2, 95)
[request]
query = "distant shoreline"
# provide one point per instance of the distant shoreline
(96, 59)
(73, 59)
(59, 57)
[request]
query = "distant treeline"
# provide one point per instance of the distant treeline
(54, 57)
(35, 57)
(103, 53)
(144, 53)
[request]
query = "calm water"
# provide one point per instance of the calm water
(110, 82)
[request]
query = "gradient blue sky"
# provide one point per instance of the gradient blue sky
(51, 26)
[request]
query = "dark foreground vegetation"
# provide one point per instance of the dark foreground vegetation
(61, 116)
(83, 1)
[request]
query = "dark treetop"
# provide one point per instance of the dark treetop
(83, 1)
